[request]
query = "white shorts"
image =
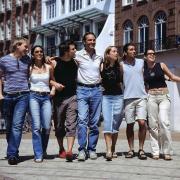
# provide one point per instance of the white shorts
(135, 109)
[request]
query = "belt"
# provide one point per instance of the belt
(40, 93)
(89, 85)
(158, 92)
(16, 93)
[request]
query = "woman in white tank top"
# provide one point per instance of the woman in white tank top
(39, 103)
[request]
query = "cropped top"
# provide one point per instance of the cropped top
(154, 77)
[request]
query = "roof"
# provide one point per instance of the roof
(76, 19)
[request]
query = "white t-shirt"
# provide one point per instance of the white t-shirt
(88, 67)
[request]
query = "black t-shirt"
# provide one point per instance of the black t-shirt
(65, 73)
(154, 77)
(111, 80)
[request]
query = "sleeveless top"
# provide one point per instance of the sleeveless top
(154, 77)
(40, 82)
(111, 79)
(133, 80)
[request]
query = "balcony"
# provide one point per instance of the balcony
(25, 1)
(9, 6)
(2, 8)
(18, 3)
(158, 45)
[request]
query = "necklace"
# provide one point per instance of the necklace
(151, 71)
(39, 69)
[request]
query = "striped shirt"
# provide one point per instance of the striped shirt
(15, 73)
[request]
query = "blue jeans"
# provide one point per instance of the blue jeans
(14, 109)
(41, 111)
(89, 108)
(112, 107)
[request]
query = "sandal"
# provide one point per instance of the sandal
(142, 155)
(109, 156)
(114, 155)
(167, 157)
(155, 157)
(130, 154)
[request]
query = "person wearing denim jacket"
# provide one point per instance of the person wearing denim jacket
(39, 102)
(14, 68)
(158, 105)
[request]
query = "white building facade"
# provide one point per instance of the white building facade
(70, 19)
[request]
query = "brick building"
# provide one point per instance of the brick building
(17, 17)
(148, 23)
(153, 24)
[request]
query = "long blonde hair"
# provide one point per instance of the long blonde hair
(106, 58)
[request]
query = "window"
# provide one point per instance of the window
(18, 3)
(74, 33)
(25, 25)
(8, 5)
(18, 27)
(75, 5)
(8, 30)
(1, 32)
(127, 2)
(51, 9)
(51, 45)
(128, 32)
(62, 6)
(98, 27)
(143, 34)
(88, 2)
(2, 6)
(160, 30)
(87, 28)
(33, 19)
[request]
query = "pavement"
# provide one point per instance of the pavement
(54, 168)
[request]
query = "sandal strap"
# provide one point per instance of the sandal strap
(130, 154)
(141, 152)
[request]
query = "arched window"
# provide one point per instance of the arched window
(18, 26)
(160, 30)
(128, 32)
(143, 33)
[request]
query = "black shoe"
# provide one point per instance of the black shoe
(12, 161)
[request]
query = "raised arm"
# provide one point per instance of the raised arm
(168, 73)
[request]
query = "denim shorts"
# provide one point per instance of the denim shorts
(135, 109)
(112, 107)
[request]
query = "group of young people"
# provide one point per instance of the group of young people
(79, 85)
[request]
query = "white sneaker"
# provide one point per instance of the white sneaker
(92, 155)
(81, 156)
(40, 160)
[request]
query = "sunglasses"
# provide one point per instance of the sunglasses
(151, 54)
(38, 51)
